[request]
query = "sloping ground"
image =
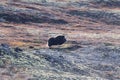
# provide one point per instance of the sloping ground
(78, 21)
(107, 3)
(92, 50)
(86, 63)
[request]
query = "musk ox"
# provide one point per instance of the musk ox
(56, 41)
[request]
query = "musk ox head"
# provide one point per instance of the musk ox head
(56, 41)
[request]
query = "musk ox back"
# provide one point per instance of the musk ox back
(56, 41)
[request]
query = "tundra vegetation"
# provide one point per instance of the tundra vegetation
(91, 28)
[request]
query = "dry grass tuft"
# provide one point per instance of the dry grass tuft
(18, 43)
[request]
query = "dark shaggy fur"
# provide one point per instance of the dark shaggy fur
(56, 41)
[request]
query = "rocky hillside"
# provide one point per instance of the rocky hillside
(91, 27)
